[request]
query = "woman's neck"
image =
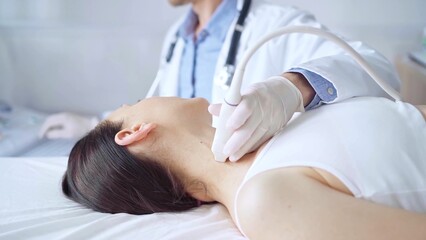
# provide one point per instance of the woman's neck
(193, 161)
(224, 179)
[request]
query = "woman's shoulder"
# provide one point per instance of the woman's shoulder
(287, 204)
(268, 181)
(270, 195)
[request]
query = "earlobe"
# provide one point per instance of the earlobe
(137, 133)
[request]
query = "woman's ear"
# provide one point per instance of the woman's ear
(137, 133)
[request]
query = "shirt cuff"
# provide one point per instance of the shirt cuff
(325, 91)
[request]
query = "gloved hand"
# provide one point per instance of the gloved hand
(67, 125)
(265, 109)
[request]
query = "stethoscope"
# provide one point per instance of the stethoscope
(224, 78)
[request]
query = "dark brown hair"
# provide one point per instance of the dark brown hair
(107, 178)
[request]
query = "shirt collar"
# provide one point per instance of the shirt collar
(217, 26)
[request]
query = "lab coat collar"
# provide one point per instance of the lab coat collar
(186, 30)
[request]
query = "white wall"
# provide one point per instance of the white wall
(391, 26)
(93, 55)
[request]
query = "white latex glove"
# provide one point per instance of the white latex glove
(67, 125)
(265, 109)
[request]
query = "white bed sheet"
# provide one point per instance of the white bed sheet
(32, 207)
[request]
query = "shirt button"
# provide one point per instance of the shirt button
(202, 35)
(330, 91)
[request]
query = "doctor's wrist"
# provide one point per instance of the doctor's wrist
(307, 91)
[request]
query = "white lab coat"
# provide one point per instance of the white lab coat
(279, 55)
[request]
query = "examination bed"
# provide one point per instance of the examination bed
(32, 207)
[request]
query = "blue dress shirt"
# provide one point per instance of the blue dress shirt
(201, 52)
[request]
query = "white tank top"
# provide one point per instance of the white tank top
(376, 147)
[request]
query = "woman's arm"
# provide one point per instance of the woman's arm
(285, 204)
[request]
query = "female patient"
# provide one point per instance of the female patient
(365, 178)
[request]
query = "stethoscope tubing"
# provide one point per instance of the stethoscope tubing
(232, 53)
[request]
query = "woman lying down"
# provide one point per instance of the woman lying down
(365, 177)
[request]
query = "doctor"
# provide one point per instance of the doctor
(291, 73)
